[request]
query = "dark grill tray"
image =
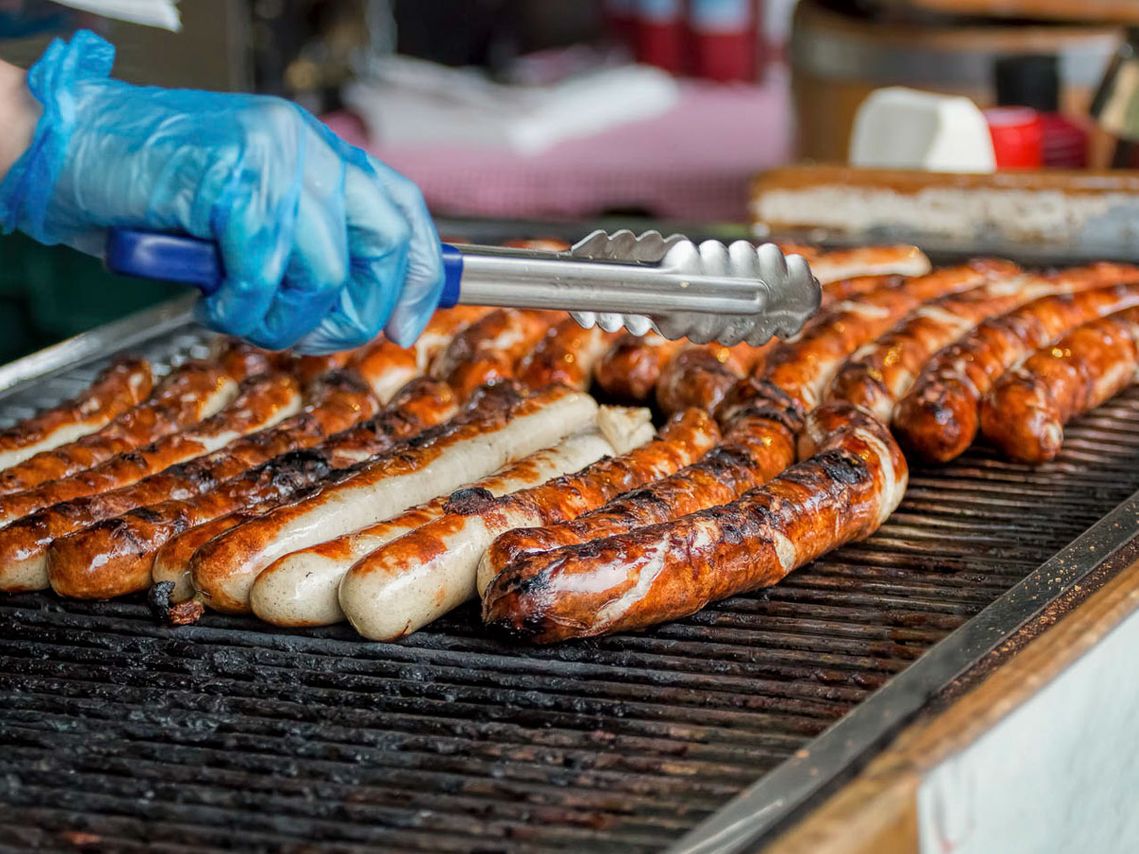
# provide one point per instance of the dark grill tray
(120, 734)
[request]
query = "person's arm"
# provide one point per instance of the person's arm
(19, 112)
(322, 246)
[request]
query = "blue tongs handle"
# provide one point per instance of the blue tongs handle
(192, 261)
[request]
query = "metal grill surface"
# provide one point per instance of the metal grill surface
(120, 734)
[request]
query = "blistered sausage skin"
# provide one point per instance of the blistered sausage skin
(701, 375)
(386, 367)
(844, 492)
(882, 373)
(565, 356)
(835, 265)
(300, 589)
(631, 368)
(487, 351)
(859, 286)
(261, 402)
(338, 402)
(414, 580)
(225, 568)
(115, 556)
(125, 383)
(192, 392)
(1025, 413)
(940, 417)
(759, 427)
(761, 418)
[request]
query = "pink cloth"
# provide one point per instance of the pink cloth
(694, 163)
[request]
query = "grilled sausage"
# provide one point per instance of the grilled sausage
(125, 383)
(261, 402)
(940, 416)
(701, 375)
(301, 588)
(878, 376)
(859, 286)
(225, 568)
(844, 492)
(339, 401)
(760, 417)
(487, 351)
(565, 356)
(760, 423)
(115, 556)
(414, 580)
(630, 369)
(1025, 413)
(836, 265)
(195, 391)
(387, 367)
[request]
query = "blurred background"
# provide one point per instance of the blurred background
(573, 110)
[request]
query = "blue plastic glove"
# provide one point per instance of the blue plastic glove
(322, 244)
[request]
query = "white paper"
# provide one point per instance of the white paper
(414, 103)
(150, 13)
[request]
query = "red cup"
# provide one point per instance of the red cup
(1018, 137)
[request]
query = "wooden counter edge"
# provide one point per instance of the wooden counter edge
(876, 813)
(911, 181)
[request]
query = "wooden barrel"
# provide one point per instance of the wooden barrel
(838, 59)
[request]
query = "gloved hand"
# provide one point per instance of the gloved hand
(321, 243)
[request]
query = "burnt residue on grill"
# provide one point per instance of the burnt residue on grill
(121, 734)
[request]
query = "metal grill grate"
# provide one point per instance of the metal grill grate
(121, 734)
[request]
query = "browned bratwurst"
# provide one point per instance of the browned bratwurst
(337, 402)
(700, 376)
(883, 373)
(487, 351)
(190, 393)
(760, 419)
(1025, 413)
(125, 383)
(261, 402)
(630, 369)
(115, 556)
(940, 417)
(845, 491)
(565, 356)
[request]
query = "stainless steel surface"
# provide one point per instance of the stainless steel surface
(136, 329)
(706, 292)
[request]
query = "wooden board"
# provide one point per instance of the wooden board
(1124, 11)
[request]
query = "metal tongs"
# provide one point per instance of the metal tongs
(706, 292)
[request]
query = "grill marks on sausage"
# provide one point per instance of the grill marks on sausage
(566, 355)
(877, 377)
(261, 402)
(339, 402)
(87, 564)
(486, 352)
(122, 385)
(761, 417)
(224, 569)
(666, 571)
(940, 417)
(192, 392)
(1025, 414)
